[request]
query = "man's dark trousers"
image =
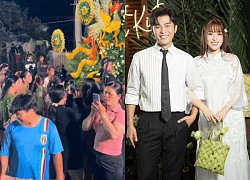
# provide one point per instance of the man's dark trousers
(160, 140)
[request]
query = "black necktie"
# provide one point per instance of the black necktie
(165, 97)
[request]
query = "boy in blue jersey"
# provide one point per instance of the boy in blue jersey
(28, 143)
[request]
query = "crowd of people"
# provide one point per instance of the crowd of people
(43, 114)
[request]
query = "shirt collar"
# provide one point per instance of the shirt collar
(171, 49)
(217, 56)
(116, 108)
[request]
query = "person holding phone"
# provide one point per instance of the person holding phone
(109, 125)
(72, 87)
(83, 102)
(96, 97)
(66, 120)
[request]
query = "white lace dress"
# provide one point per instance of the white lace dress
(222, 78)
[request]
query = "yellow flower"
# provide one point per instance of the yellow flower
(85, 11)
(58, 41)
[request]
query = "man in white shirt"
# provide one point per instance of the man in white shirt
(154, 137)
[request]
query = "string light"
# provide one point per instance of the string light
(55, 22)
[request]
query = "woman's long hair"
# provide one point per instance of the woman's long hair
(24, 74)
(35, 83)
(214, 25)
(88, 88)
(56, 93)
(9, 80)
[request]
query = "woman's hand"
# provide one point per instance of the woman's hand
(222, 113)
(209, 115)
(99, 108)
(68, 90)
(77, 94)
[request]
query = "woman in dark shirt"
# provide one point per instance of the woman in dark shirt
(66, 120)
(84, 107)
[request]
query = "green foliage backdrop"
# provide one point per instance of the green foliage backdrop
(191, 16)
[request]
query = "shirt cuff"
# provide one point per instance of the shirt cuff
(199, 95)
(130, 100)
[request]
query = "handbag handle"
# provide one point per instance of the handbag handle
(218, 133)
(211, 132)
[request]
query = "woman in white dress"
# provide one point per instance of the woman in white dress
(225, 94)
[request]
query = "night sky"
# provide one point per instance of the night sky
(51, 11)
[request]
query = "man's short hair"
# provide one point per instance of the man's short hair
(22, 102)
(162, 11)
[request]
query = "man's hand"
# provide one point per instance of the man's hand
(189, 120)
(132, 135)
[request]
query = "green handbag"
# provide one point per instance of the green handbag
(212, 154)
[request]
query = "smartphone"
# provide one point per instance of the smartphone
(72, 86)
(96, 97)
